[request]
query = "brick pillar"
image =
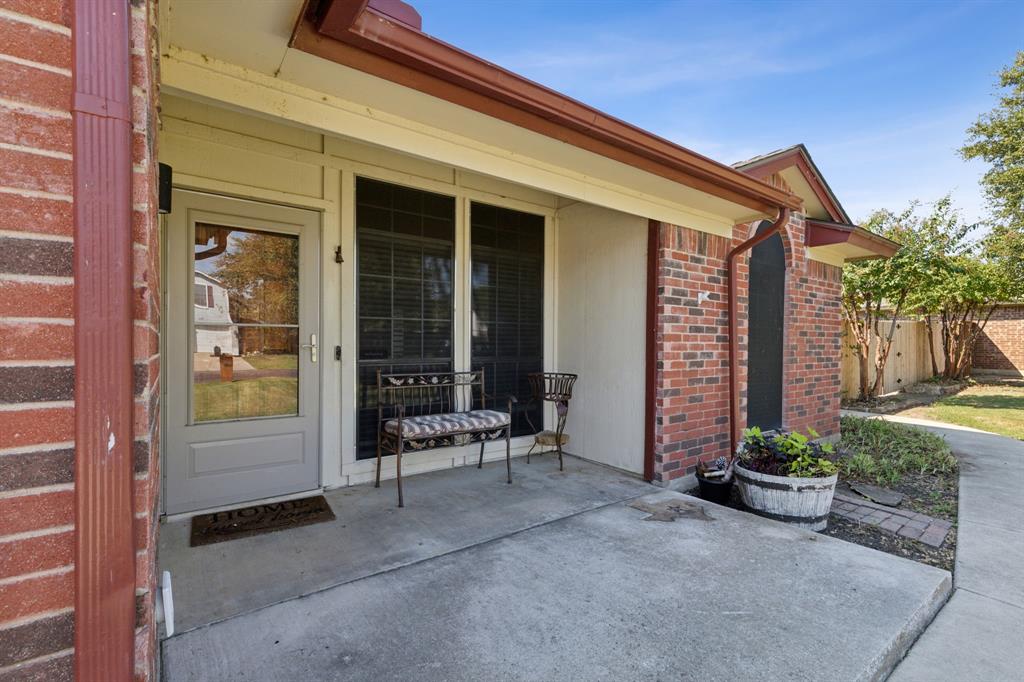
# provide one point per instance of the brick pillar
(692, 380)
(691, 386)
(36, 339)
(146, 343)
(812, 345)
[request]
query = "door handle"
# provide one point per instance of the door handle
(311, 346)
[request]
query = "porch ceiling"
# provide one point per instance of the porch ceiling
(205, 42)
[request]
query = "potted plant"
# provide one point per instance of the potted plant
(787, 476)
(715, 479)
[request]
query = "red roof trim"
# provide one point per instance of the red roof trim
(822, 233)
(351, 32)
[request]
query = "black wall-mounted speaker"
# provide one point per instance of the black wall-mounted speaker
(164, 205)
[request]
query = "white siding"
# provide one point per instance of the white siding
(601, 309)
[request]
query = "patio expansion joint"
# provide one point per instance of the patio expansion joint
(392, 569)
(1011, 604)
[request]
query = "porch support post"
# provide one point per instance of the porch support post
(102, 168)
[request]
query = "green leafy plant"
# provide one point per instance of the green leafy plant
(786, 454)
(883, 452)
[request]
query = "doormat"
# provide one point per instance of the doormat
(262, 518)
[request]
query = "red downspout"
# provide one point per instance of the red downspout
(734, 342)
(102, 169)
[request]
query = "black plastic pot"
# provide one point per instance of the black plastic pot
(715, 491)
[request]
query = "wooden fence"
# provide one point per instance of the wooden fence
(909, 361)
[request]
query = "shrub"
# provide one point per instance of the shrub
(786, 454)
(884, 451)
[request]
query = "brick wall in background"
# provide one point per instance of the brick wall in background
(1000, 348)
(37, 338)
(692, 379)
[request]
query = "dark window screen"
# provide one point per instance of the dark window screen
(767, 300)
(405, 243)
(508, 304)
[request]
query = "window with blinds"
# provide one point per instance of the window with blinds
(507, 290)
(405, 241)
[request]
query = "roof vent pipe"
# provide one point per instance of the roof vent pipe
(734, 381)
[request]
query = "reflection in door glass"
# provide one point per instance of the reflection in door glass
(245, 304)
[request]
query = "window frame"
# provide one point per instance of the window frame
(462, 340)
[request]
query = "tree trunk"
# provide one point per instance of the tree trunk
(863, 364)
(931, 344)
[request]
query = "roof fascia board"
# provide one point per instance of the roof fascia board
(819, 233)
(388, 49)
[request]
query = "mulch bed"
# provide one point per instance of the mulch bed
(932, 495)
(890, 404)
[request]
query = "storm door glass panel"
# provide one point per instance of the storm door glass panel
(404, 263)
(245, 361)
(508, 305)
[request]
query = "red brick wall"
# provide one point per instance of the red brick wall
(692, 390)
(692, 380)
(36, 339)
(1001, 345)
(812, 369)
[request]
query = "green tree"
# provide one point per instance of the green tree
(876, 292)
(998, 138)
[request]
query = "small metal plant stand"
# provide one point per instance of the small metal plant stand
(551, 387)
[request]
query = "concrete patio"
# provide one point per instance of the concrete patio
(554, 577)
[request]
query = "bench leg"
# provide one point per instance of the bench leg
(508, 452)
(398, 469)
(480, 464)
(558, 441)
(376, 483)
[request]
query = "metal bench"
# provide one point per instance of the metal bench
(424, 411)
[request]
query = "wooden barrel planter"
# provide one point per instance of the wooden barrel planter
(803, 502)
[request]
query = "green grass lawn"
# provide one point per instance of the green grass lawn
(264, 397)
(272, 361)
(999, 409)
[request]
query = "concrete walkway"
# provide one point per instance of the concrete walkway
(599, 594)
(979, 634)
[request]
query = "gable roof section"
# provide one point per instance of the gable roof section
(829, 233)
(381, 38)
(797, 157)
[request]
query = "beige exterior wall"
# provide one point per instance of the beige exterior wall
(601, 320)
(216, 150)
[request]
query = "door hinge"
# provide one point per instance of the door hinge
(337, 255)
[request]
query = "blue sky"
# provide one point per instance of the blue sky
(881, 93)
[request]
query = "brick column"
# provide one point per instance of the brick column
(691, 379)
(146, 342)
(691, 389)
(812, 366)
(37, 371)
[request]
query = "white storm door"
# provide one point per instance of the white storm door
(242, 357)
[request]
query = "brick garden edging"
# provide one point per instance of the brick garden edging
(902, 522)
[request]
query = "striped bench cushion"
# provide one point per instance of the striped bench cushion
(454, 422)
